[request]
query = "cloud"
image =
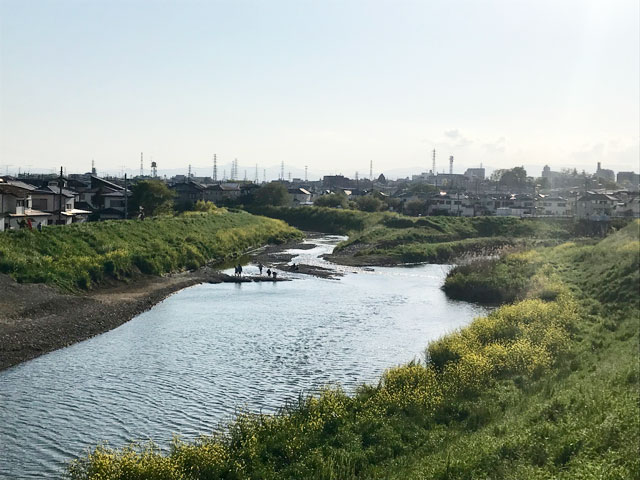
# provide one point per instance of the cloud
(457, 139)
(497, 147)
(452, 134)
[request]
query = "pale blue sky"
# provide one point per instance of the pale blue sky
(328, 84)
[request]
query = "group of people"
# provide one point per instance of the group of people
(270, 273)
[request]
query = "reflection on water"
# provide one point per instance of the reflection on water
(188, 364)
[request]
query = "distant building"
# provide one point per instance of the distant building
(553, 206)
(474, 174)
(221, 192)
(188, 193)
(630, 179)
(596, 206)
(605, 174)
(333, 182)
(300, 196)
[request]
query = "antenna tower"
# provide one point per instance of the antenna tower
(306, 170)
(450, 164)
(256, 179)
(141, 164)
(282, 170)
(433, 165)
(215, 168)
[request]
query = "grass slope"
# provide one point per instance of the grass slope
(543, 388)
(82, 255)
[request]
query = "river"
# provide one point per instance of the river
(188, 364)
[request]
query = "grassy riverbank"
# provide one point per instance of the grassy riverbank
(543, 388)
(83, 255)
(385, 238)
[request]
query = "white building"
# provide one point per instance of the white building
(16, 208)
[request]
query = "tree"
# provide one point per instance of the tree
(153, 196)
(415, 207)
(516, 177)
(333, 200)
(273, 193)
(369, 203)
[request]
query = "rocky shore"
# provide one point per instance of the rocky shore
(36, 319)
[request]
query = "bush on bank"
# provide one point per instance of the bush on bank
(82, 255)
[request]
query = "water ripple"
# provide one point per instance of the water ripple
(187, 365)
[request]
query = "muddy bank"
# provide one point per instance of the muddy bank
(36, 319)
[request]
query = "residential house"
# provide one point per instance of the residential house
(451, 204)
(188, 193)
(60, 202)
(16, 210)
(553, 206)
(222, 192)
(300, 196)
(596, 206)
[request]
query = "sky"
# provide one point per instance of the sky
(332, 85)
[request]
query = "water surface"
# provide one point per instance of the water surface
(188, 363)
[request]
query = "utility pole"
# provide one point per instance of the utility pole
(126, 197)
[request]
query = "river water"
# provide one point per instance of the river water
(188, 364)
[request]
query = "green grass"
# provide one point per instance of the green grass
(80, 256)
(390, 238)
(543, 388)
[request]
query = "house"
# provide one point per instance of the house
(16, 210)
(188, 193)
(104, 198)
(300, 196)
(221, 192)
(596, 206)
(60, 202)
(553, 206)
(451, 204)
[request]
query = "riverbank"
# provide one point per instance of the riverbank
(36, 319)
(389, 239)
(543, 388)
